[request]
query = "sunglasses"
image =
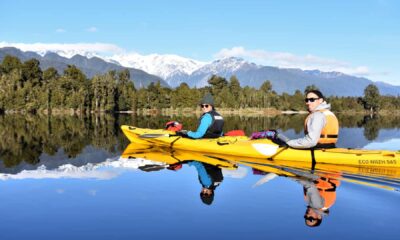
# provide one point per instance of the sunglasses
(310, 99)
(309, 218)
(206, 193)
(204, 105)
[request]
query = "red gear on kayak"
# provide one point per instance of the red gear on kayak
(173, 126)
(175, 166)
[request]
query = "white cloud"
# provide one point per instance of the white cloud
(60, 30)
(289, 60)
(92, 29)
(67, 49)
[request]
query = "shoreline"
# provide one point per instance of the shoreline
(196, 111)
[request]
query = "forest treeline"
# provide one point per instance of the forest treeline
(25, 87)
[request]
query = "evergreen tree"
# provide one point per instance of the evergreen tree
(371, 98)
(125, 91)
(217, 84)
(310, 87)
(74, 86)
(297, 101)
(50, 77)
(182, 97)
(9, 63)
(111, 91)
(266, 89)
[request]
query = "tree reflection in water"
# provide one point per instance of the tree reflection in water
(26, 137)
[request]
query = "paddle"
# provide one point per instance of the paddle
(157, 135)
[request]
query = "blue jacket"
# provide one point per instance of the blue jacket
(205, 123)
(210, 126)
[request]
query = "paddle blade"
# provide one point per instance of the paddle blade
(155, 135)
(265, 179)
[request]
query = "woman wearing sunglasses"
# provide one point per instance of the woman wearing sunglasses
(210, 123)
(321, 126)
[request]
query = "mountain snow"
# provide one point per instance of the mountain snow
(104, 170)
(230, 64)
(324, 74)
(223, 67)
(70, 53)
(165, 66)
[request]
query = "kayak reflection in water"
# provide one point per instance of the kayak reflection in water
(210, 177)
(320, 195)
(209, 168)
(211, 123)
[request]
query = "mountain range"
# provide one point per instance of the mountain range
(90, 66)
(172, 70)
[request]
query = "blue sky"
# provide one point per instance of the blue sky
(356, 37)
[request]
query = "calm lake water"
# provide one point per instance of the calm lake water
(64, 177)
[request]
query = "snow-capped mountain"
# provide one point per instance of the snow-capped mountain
(72, 53)
(169, 67)
(225, 67)
(175, 70)
(69, 53)
(324, 74)
(230, 64)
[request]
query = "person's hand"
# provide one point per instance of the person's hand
(270, 134)
(255, 135)
(182, 133)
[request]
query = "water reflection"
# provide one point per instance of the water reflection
(144, 186)
(30, 141)
(319, 191)
(319, 182)
(68, 171)
(209, 169)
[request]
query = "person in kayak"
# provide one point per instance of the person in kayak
(210, 123)
(321, 126)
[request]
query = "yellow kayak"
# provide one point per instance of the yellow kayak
(242, 146)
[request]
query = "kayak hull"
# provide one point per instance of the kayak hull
(242, 146)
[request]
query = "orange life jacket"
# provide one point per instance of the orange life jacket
(329, 133)
(327, 189)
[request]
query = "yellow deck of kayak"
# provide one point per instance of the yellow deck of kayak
(242, 146)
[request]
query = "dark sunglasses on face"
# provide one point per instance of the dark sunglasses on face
(310, 99)
(309, 218)
(204, 105)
